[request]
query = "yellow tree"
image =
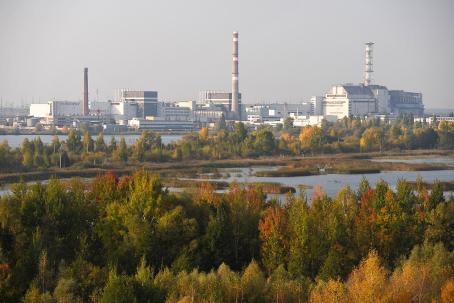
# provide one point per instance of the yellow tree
(371, 139)
(367, 282)
(203, 134)
(311, 138)
(332, 291)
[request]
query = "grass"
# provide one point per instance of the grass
(293, 166)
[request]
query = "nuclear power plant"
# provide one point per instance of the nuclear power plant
(366, 99)
(141, 109)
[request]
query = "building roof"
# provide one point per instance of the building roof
(357, 89)
(376, 86)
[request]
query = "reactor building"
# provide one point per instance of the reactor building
(345, 100)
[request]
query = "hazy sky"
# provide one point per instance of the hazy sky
(289, 49)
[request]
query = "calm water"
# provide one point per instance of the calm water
(329, 183)
(435, 160)
(332, 183)
(15, 140)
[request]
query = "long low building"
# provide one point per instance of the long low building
(142, 124)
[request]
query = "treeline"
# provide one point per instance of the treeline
(232, 140)
(129, 240)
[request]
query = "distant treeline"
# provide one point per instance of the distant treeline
(129, 240)
(231, 140)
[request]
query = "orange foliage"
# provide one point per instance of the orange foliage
(317, 193)
(273, 220)
(207, 193)
(203, 133)
(447, 292)
(310, 137)
(286, 137)
(329, 292)
(367, 282)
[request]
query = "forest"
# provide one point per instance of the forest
(129, 239)
(228, 141)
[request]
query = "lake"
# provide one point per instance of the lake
(329, 183)
(431, 160)
(15, 140)
(332, 183)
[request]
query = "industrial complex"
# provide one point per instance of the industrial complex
(132, 109)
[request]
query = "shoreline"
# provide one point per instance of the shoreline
(290, 166)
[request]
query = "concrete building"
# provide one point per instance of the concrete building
(40, 110)
(147, 101)
(431, 120)
(367, 98)
(316, 105)
(100, 108)
(55, 108)
(349, 100)
(157, 124)
(275, 111)
(382, 97)
(406, 102)
(220, 99)
(208, 114)
(189, 103)
(359, 100)
(173, 112)
(312, 120)
(123, 110)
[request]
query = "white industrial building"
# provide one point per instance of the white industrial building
(364, 99)
(140, 124)
(275, 111)
(40, 110)
(174, 112)
(219, 99)
(349, 100)
(432, 119)
(146, 101)
(212, 100)
(56, 108)
(312, 120)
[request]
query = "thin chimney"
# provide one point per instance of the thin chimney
(85, 105)
(235, 94)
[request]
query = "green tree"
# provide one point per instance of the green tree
(119, 289)
(87, 142)
(100, 145)
(73, 142)
(288, 123)
(123, 150)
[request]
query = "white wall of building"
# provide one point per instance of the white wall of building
(349, 100)
(65, 108)
(123, 110)
(40, 110)
(313, 120)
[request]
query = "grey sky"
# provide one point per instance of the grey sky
(289, 49)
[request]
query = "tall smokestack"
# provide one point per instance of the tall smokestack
(85, 110)
(368, 64)
(235, 95)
